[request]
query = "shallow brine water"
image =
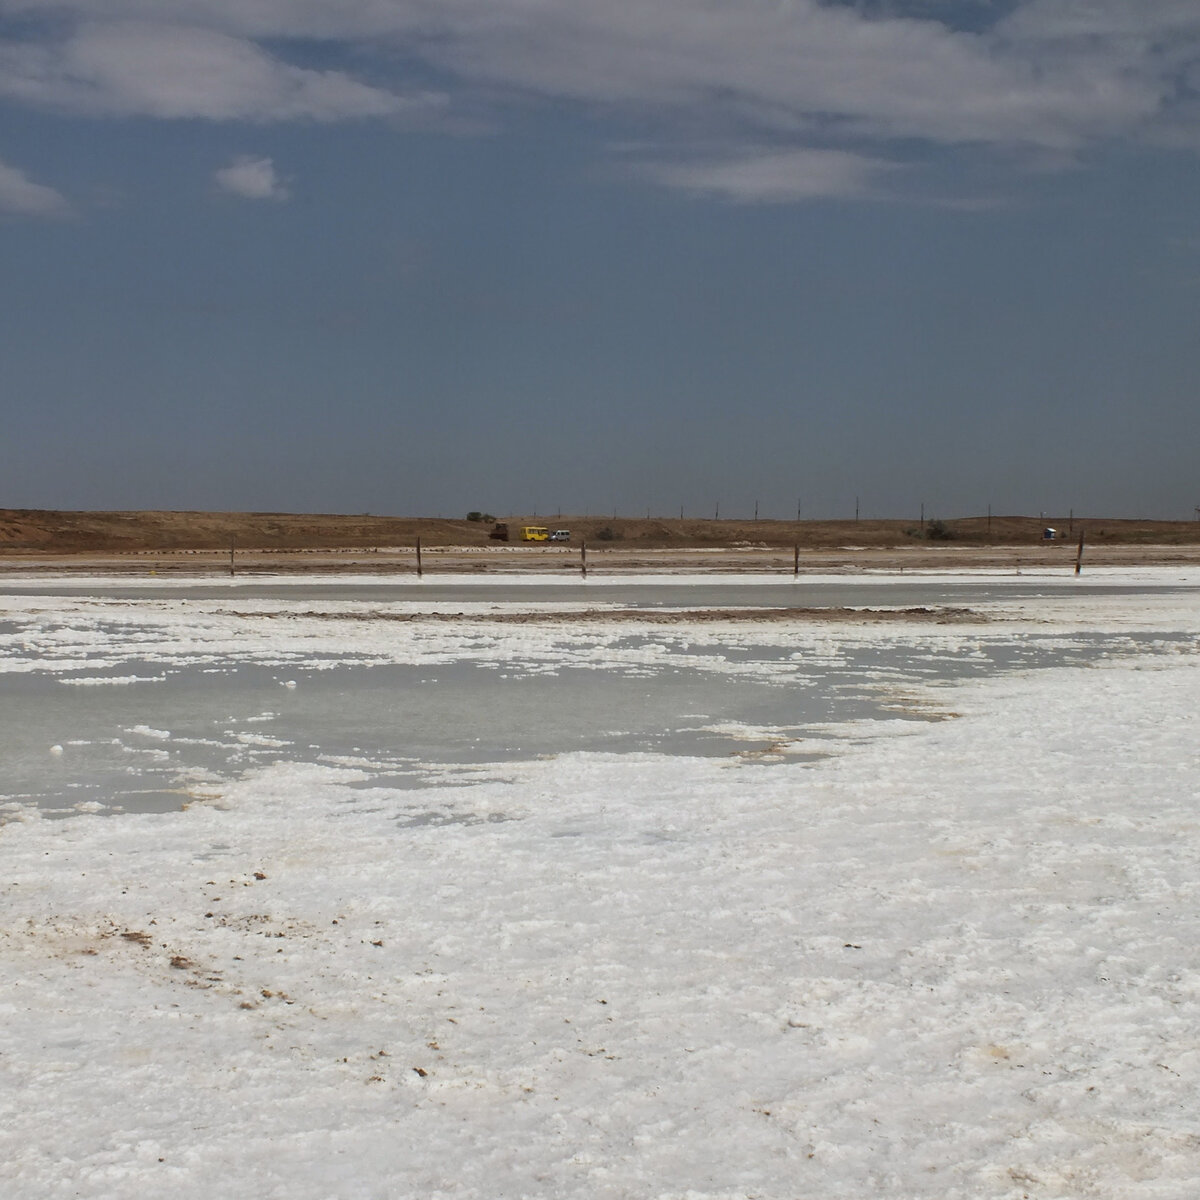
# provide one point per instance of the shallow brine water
(782, 592)
(131, 704)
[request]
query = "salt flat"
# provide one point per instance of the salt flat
(952, 955)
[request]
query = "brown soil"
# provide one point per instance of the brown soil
(201, 542)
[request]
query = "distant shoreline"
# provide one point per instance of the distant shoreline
(201, 543)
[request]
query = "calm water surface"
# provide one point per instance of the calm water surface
(149, 745)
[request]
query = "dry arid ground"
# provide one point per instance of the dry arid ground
(204, 542)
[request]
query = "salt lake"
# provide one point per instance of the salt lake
(361, 891)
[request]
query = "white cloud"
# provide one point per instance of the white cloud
(252, 179)
(1039, 77)
(773, 176)
(773, 65)
(171, 71)
(20, 196)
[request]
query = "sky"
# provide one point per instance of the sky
(420, 257)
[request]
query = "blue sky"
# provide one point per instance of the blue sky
(426, 256)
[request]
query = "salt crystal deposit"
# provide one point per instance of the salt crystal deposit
(941, 944)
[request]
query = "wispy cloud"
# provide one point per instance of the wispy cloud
(1038, 77)
(772, 176)
(135, 68)
(20, 196)
(252, 179)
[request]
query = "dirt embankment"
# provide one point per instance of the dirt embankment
(32, 531)
(42, 531)
(188, 543)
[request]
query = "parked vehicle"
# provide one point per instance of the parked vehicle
(528, 533)
(501, 532)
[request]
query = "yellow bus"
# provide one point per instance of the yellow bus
(535, 533)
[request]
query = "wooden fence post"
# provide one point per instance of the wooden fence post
(583, 558)
(1079, 554)
(796, 560)
(419, 571)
